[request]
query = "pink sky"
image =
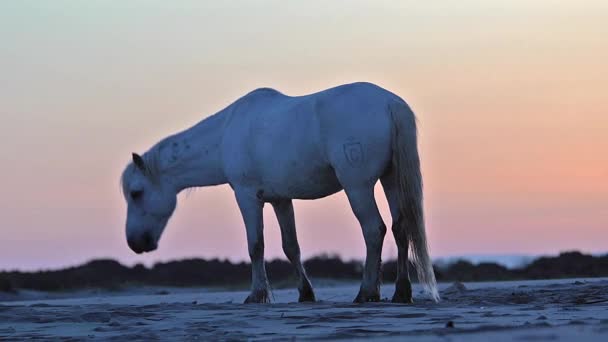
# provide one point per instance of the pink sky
(511, 98)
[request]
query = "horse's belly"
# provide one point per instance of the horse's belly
(311, 184)
(318, 186)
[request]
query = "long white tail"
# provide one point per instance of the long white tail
(407, 163)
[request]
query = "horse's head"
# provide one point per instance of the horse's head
(150, 203)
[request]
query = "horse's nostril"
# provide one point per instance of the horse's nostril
(134, 245)
(147, 239)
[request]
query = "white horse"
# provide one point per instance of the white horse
(272, 148)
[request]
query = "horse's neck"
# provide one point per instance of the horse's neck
(192, 158)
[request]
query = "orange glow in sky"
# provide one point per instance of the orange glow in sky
(511, 97)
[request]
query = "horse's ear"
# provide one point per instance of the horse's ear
(139, 162)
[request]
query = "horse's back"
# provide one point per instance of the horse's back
(308, 146)
(348, 99)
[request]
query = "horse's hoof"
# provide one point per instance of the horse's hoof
(258, 296)
(306, 294)
(403, 291)
(367, 298)
(401, 299)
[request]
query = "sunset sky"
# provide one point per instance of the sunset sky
(512, 99)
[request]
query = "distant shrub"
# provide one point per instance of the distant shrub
(333, 267)
(6, 285)
(566, 265)
(111, 275)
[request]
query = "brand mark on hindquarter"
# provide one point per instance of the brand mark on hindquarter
(353, 152)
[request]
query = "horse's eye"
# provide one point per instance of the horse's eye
(136, 194)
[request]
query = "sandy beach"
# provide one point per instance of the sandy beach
(522, 310)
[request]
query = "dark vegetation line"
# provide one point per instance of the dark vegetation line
(111, 274)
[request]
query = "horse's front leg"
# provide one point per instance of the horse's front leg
(252, 209)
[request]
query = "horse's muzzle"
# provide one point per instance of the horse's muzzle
(142, 243)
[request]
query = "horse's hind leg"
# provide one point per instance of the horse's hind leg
(285, 216)
(403, 286)
(364, 206)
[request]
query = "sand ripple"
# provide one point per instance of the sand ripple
(538, 310)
